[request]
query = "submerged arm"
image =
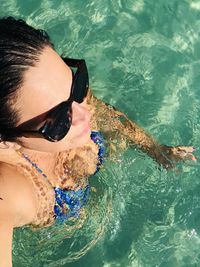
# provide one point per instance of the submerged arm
(136, 136)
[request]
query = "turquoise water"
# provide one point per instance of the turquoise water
(144, 58)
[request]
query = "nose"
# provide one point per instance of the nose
(80, 114)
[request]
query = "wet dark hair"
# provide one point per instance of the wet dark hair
(20, 47)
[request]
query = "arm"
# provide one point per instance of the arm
(6, 231)
(10, 194)
(6, 234)
(136, 136)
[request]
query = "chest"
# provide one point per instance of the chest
(18, 195)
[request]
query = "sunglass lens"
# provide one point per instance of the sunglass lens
(55, 128)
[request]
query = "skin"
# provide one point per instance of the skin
(45, 86)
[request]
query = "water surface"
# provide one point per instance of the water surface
(143, 57)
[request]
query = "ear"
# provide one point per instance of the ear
(9, 145)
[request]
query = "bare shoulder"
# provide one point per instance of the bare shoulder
(17, 196)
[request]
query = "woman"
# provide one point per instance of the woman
(47, 149)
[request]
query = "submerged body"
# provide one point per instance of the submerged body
(71, 169)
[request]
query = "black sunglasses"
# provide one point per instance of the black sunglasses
(57, 121)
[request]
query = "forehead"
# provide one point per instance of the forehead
(45, 85)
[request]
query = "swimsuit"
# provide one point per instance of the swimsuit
(69, 202)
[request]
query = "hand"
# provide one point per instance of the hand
(169, 155)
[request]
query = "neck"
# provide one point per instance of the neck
(44, 160)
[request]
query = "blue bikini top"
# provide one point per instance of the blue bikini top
(69, 202)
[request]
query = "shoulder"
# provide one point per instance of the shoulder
(18, 199)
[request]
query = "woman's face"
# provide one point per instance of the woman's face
(45, 86)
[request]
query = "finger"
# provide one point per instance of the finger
(194, 158)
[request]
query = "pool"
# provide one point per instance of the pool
(144, 58)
